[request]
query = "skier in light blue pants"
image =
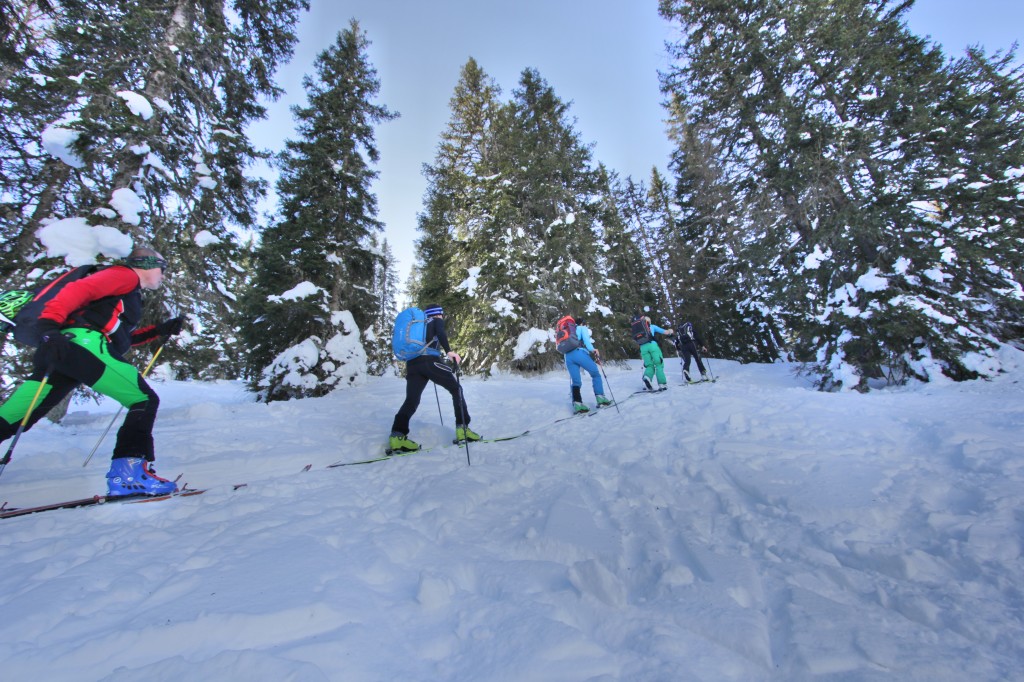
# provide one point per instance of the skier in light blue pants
(580, 358)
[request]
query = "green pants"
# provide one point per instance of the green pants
(654, 362)
(90, 362)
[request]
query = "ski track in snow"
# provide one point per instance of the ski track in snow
(753, 529)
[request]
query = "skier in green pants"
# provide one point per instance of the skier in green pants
(83, 331)
(654, 363)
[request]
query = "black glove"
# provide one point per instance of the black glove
(55, 344)
(170, 327)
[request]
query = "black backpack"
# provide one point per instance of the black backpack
(640, 329)
(25, 331)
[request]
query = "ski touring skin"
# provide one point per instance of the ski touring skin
(490, 440)
(391, 454)
(11, 512)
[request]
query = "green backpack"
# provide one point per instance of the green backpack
(21, 308)
(10, 303)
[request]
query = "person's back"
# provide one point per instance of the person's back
(577, 351)
(421, 370)
(689, 343)
(644, 334)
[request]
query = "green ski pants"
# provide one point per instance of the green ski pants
(654, 362)
(90, 362)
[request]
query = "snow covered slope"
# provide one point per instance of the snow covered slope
(751, 529)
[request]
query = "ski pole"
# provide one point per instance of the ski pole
(679, 355)
(24, 421)
(462, 398)
(121, 407)
(713, 377)
(609, 385)
(438, 399)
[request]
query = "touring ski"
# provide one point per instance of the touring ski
(387, 455)
(391, 454)
(491, 440)
(11, 512)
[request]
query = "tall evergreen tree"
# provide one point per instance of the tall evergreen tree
(697, 224)
(642, 215)
(973, 189)
(455, 197)
(316, 268)
(628, 271)
(511, 235)
(154, 98)
(385, 293)
(820, 111)
(537, 247)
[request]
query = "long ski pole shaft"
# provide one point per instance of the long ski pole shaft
(24, 421)
(438, 399)
(609, 385)
(103, 435)
(462, 401)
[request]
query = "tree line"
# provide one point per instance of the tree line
(840, 193)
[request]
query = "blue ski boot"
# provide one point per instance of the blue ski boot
(132, 476)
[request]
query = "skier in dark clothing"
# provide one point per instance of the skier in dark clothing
(688, 342)
(85, 329)
(423, 369)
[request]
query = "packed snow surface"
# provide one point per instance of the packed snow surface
(749, 529)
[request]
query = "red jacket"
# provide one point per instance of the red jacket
(109, 301)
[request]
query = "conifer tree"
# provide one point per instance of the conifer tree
(697, 224)
(820, 111)
(380, 359)
(643, 216)
(456, 200)
(973, 191)
(154, 98)
(627, 269)
(317, 267)
(537, 247)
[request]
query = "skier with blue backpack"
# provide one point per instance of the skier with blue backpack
(420, 338)
(573, 340)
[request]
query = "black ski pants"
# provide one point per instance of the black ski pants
(687, 350)
(418, 372)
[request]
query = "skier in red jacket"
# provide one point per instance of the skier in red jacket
(85, 329)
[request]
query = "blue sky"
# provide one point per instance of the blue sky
(601, 55)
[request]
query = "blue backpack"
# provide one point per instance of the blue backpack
(410, 338)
